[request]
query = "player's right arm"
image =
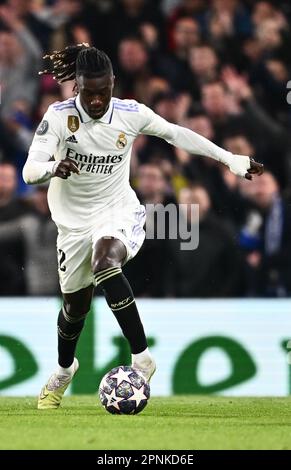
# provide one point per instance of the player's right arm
(39, 166)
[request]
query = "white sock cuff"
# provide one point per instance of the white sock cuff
(142, 357)
(66, 370)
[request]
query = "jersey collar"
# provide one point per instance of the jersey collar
(106, 118)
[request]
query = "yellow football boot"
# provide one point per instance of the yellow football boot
(52, 393)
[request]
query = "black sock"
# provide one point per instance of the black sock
(69, 329)
(120, 299)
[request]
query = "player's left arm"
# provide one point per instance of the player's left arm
(240, 165)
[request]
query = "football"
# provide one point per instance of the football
(124, 390)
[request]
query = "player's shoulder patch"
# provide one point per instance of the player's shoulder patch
(130, 106)
(42, 127)
(64, 105)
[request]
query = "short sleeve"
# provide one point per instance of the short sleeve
(48, 134)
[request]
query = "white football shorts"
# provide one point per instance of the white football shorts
(75, 247)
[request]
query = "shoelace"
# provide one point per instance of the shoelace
(57, 381)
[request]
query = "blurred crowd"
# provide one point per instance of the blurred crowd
(219, 67)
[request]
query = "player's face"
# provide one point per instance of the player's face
(95, 94)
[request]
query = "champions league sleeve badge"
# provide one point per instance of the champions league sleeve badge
(73, 123)
(42, 128)
(121, 141)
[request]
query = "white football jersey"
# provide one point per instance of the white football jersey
(102, 150)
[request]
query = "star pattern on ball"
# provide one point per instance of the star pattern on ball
(113, 399)
(122, 375)
(138, 395)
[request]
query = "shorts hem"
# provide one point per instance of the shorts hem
(69, 291)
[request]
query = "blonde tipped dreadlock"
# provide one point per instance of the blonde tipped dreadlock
(77, 60)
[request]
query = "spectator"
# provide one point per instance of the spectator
(195, 9)
(175, 66)
(147, 271)
(213, 268)
(203, 62)
(36, 232)
(12, 252)
(24, 11)
(134, 67)
(266, 239)
(19, 62)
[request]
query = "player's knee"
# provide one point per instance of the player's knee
(104, 262)
(76, 310)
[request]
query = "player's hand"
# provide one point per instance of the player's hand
(255, 169)
(244, 166)
(64, 168)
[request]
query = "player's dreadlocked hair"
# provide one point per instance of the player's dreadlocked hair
(77, 60)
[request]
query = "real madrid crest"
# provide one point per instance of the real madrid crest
(73, 123)
(121, 141)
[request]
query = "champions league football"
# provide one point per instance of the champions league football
(124, 390)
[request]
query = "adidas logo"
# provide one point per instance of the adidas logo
(72, 139)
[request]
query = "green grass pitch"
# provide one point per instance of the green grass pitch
(178, 422)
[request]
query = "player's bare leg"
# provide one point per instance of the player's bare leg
(70, 324)
(108, 257)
